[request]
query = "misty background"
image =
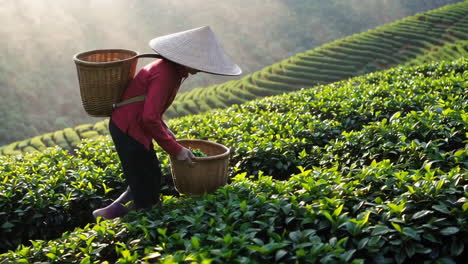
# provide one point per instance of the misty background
(39, 90)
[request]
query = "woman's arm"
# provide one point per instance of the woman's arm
(169, 130)
(161, 84)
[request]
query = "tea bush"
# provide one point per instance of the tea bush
(377, 214)
(272, 134)
(45, 194)
(449, 51)
(379, 174)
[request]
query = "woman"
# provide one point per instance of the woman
(134, 123)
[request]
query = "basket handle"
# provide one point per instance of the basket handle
(148, 55)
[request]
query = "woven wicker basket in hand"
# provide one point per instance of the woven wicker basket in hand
(103, 76)
(207, 174)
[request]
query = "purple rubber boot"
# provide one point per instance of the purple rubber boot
(116, 208)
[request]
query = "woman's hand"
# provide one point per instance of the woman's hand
(187, 155)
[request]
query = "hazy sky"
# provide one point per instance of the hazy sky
(255, 33)
(38, 39)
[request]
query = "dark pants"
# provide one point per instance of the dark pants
(140, 167)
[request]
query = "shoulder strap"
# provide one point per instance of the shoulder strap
(140, 98)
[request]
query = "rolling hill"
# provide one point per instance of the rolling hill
(384, 47)
(38, 83)
(414, 39)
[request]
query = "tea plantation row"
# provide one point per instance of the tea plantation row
(383, 179)
(449, 51)
(384, 47)
(376, 214)
(67, 138)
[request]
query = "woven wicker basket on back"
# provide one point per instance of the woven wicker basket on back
(103, 76)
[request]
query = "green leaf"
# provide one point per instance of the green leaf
(410, 189)
(381, 230)
(397, 227)
(239, 177)
(365, 219)
(342, 241)
(280, 253)
(457, 247)
(195, 242)
(302, 154)
(421, 214)
(328, 216)
(358, 261)
(270, 247)
(86, 260)
(395, 116)
(295, 236)
(90, 240)
(441, 208)
(431, 237)
(348, 255)
(227, 239)
(83, 237)
(300, 252)
(52, 256)
(258, 241)
(411, 233)
(465, 207)
(289, 219)
(257, 249)
(410, 249)
(448, 231)
(286, 208)
(363, 242)
(189, 219)
(7, 225)
(162, 231)
(396, 208)
(374, 241)
(243, 205)
(338, 210)
(378, 200)
(152, 255)
(424, 251)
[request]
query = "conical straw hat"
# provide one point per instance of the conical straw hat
(196, 48)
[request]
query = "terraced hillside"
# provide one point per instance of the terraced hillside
(393, 44)
(450, 51)
(381, 48)
(67, 139)
(368, 170)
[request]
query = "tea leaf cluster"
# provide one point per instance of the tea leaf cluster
(372, 169)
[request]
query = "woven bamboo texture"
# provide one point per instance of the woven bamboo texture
(103, 76)
(207, 174)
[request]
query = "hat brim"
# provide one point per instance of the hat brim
(198, 49)
(237, 72)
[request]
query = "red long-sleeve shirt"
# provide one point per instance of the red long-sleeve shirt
(143, 121)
